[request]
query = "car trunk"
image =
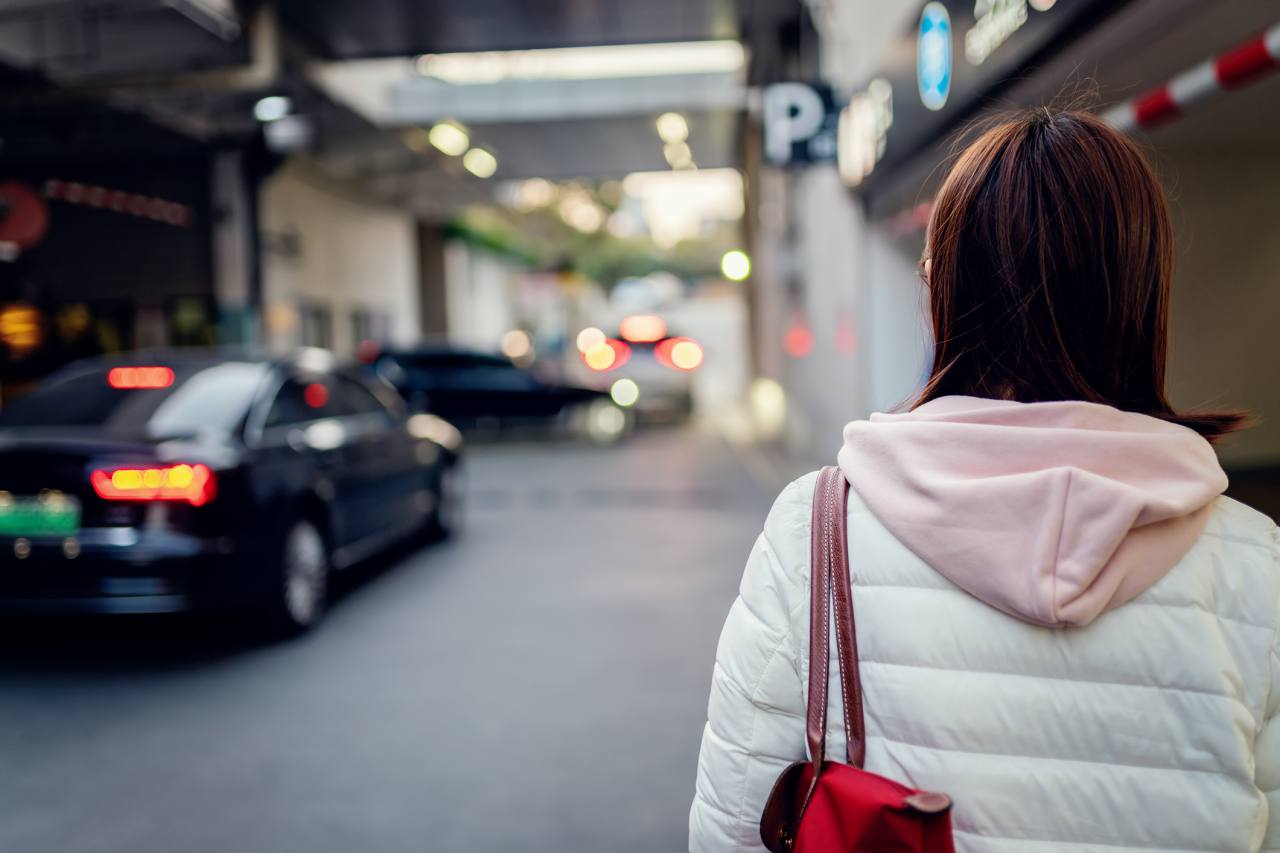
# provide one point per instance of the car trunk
(59, 460)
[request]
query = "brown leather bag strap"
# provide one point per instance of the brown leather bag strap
(829, 581)
(819, 622)
(846, 633)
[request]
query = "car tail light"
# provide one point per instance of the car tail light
(609, 355)
(643, 328)
(678, 353)
(315, 395)
(194, 484)
(140, 377)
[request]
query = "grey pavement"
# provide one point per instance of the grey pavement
(537, 684)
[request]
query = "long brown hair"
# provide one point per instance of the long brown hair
(1050, 264)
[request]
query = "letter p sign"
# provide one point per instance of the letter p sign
(799, 123)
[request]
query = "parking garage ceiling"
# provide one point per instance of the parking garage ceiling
(198, 66)
(360, 29)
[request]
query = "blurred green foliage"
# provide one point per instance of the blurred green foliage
(541, 239)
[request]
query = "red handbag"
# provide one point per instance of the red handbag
(823, 806)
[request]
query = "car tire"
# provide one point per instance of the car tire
(445, 519)
(301, 586)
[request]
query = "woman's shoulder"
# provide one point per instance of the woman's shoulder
(793, 508)
(1233, 569)
(1235, 522)
(786, 529)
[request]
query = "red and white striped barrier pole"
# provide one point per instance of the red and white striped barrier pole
(1233, 69)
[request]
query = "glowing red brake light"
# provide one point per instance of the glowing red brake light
(194, 484)
(609, 355)
(643, 328)
(315, 395)
(678, 353)
(140, 377)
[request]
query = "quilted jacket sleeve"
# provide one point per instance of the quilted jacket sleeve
(755, 717)
(1268, 757)
(1267, 750)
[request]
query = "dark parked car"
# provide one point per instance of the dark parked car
(475, 389)
(170, 481)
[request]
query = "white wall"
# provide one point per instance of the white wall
(1226, 300)
(828, 387)
(480, 296)
(897, 330)
(850, 273)
(325, 246)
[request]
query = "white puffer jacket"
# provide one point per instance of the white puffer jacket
(1157, 727)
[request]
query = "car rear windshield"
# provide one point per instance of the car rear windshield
(450, 360)
(201, 397)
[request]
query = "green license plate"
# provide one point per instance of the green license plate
(50, 514)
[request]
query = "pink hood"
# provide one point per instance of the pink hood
(1052, 512)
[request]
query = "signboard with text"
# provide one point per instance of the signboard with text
(800, 121)
(956, 53)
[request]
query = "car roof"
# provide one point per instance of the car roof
(436, 351)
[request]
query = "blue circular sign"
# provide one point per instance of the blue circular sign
(933, 56)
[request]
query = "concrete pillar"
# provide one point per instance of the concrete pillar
(234, 255)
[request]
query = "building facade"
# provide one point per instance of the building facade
(840, 308)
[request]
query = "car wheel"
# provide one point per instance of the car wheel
(302, 586)
(446, 515)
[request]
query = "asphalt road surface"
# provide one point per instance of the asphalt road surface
(537, 684)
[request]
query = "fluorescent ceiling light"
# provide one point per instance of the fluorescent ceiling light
(585, 63)
(480, 163)
(449, 138)
(672, 128)
(678, 155)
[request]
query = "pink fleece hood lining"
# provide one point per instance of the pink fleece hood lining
(1052, 512)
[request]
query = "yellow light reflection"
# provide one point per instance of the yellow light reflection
(127, 478)
(736, 265)
(20, 327)
(181, 476)
(600, 357)
(686, 355)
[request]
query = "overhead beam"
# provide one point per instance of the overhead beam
(415, 101)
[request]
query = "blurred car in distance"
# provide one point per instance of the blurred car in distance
(487, 392)
(170, 481)
(644, 368)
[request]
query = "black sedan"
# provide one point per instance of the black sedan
(172, 481)
(476, 390)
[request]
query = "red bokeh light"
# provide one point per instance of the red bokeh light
(315, 395)
(679, 353)
(621, 355)
(643, 328)
(140, 377)
(846, 337)
(798, 341)
(194, 484)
